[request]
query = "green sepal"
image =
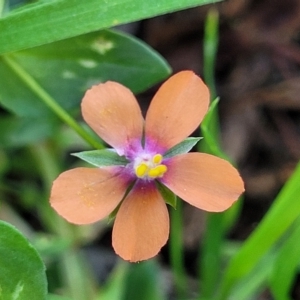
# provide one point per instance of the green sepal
(113, 214)
(102, 158)
(183, 147)
(169, 197)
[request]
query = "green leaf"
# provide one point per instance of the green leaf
(283, 212)
(66, 69)
(48, 21)
(102, 158)
(17, 132)
(182, 147)
(22, 272)
(286, 265)
(253, 283)
(169, 197)
(211, 144)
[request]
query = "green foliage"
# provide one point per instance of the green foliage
(115, 286)
(183, 147)
(102, 158)
(66, 69)
(48, 21)
(18, 132)
(169, 197)
(22, 272)
(287, 263)
(143, 281)
(284, 211)
(208, 128)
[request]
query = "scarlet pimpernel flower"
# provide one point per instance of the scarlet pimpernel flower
(149, 160)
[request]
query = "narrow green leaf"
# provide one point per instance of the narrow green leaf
(182, 147)
(210, 48)
(286, 265)
(169, 197)
(209, 116)
(48, 21)
(22, 272)
(280, 216)
(66, 73)
(102, 158)
(211, 144)
(252, 284)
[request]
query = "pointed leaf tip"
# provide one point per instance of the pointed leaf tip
(102, 158)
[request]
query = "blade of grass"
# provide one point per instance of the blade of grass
(253, 283)
(48, 21)
(286, 265)
(280, 216)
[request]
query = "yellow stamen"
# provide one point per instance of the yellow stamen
(141, 170)
(157, 171)
(150, 167)
(157, 158)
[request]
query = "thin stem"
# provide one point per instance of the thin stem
(176, 250)
(49, 101)
(211, 255)
(211, 245)
(210, 48)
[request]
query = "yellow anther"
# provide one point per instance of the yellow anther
(157, 158)
(141, 170)
(150, 167)
(157, 171)
(162, 169)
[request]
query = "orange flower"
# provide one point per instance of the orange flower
(141, 228)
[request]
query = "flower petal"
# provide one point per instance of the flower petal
(112, 111)
(205, 181)
(142, 224)
(86, 195)
(176, 110)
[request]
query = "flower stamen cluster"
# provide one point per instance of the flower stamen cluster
(150, 167)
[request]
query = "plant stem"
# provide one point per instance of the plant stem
(209, 262)
(211, 255)
(49, 101)
(210, 48)
(176, 250)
